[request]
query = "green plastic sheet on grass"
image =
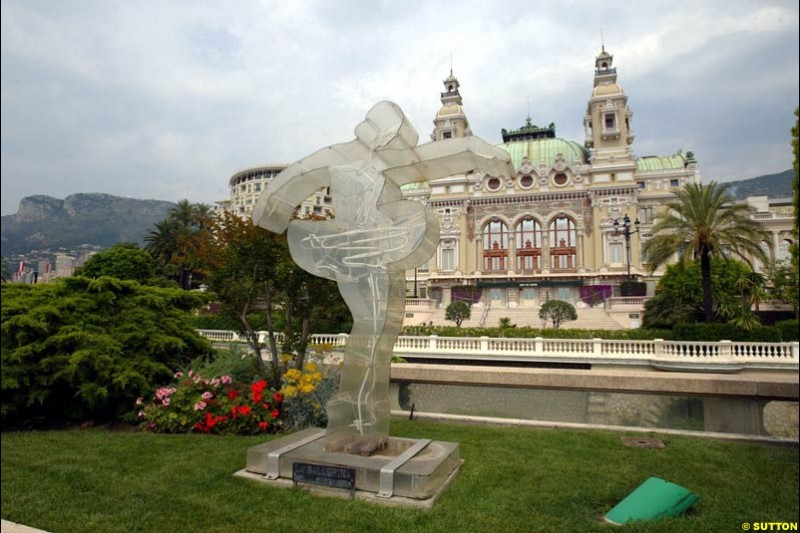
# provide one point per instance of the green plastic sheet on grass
(655, 498)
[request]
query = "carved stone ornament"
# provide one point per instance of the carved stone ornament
(525, 167)
(560, 164)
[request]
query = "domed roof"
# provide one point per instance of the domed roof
(537, 150)
(607, 90)
(450, 109)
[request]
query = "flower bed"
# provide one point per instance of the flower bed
(219, 405)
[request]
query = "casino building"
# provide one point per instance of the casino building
(549, 230)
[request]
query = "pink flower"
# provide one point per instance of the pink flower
(165, 402)
(141, 414)
(226, 379)
(139, 400)
(191, 373)
(178, 374)
(215, 382)
(199, 406)
(208, 395)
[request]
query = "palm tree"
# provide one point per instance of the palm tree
(171, 239)
(700, 223)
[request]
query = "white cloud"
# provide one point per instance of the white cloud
(167, 100)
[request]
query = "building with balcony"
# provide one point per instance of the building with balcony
(246, 185)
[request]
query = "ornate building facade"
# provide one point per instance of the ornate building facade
(553, 230)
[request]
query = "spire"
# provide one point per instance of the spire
(604, 72)
(450, 121)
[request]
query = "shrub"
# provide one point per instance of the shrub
(458, 312)
(789, 330)
(220, 406)
(557, 312)
(718, 332)
(80, 348)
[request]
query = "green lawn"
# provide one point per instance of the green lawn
(513, 480)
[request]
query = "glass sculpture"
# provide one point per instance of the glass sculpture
(373, 239)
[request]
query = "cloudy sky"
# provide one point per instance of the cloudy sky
(167, 99)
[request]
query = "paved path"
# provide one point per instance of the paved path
(11, 527)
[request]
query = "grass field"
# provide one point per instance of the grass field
(513, 480)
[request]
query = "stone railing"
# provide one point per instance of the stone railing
(420, 303)
(626, 301)
(657, 352)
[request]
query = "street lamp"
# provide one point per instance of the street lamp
(626, 231)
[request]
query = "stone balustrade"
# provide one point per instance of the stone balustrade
(656, 352)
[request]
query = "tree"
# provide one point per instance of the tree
(173, 239)
(784, 284)
(122, 261)
(796, 186)
(240, 262)
(557, 312)
(679, 294)
(248, 267)
(701, 223)
(81, 348)
(458, 312)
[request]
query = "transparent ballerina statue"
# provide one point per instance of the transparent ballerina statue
(374, 237)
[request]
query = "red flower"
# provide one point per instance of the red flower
(242, 410)
(263, 424)
(275, 413)
(258, 388)
(265, 405)
(278, 397)
(233, 393)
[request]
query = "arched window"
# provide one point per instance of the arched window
(563, 239)
(529, 245)
(495, 246)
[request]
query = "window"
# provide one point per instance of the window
(615, 254)
(495, 245)
(640, 185)
(560, 179)
(528, 295)
(424, 267)
(526, 182)
(447, 135)
(610, 123)
(646, 215)
(317, 210)
(529, 244)
(627, 124)
(564, 294)
(674, 183)
(319, 200)
(448, 259)
(493, 184)
(562, 244)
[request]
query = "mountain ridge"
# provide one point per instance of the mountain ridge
(43, 222)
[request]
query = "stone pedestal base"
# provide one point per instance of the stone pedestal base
(410, 472)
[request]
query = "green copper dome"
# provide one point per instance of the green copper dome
(652, 163)
(544, 149)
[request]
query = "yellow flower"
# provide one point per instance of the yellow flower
(289, 391)
(285, 358)
(292, 375)
(311, 367)
(307, 388)
(317, 376)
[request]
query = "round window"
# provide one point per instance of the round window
(526, 182)
(493, 184)
(560, 179)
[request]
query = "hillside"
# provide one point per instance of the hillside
(43, 222)
(774, 185)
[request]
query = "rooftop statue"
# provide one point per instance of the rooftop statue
(374, 237)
